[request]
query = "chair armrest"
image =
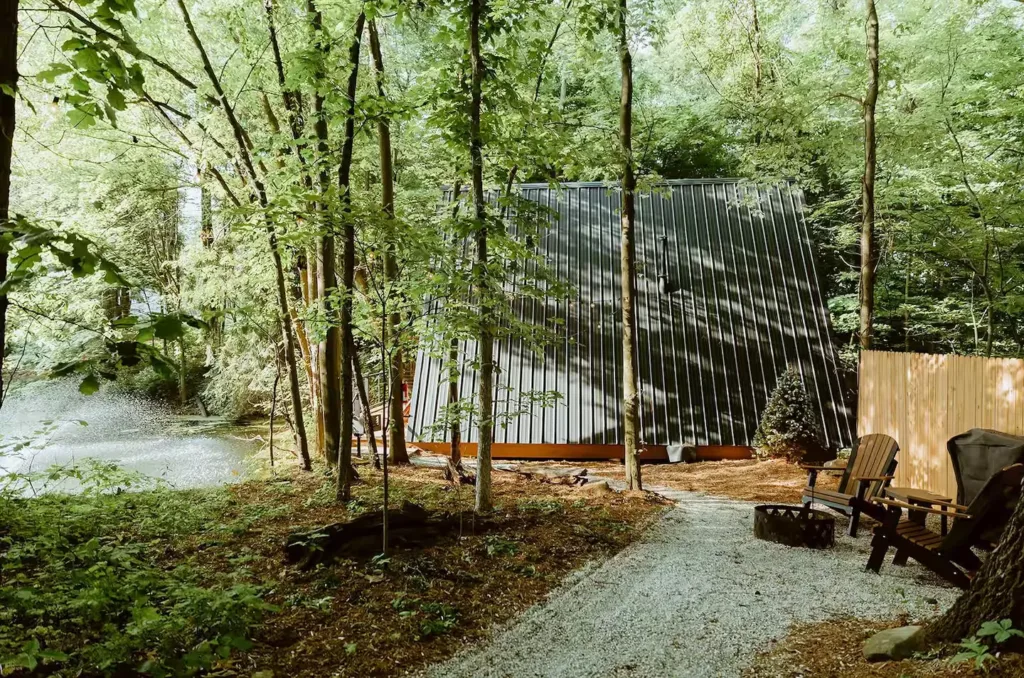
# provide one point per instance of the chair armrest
(911, 507)
(949, 504)
(922, 501)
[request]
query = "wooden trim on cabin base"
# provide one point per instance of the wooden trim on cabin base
(538, 451)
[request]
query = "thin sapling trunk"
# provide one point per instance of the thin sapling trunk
(485, 426)
(630, 393)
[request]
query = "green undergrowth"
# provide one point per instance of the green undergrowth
(103, 584)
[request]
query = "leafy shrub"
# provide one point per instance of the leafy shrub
(85, 585)
(434, 619)
(496, 545)
(789, 427)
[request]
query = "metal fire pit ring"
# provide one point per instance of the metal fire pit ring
(794, 526)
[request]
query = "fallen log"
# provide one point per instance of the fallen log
(361, 533)
(555, 476)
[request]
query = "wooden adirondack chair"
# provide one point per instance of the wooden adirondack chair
(871, 467)
(979, 525)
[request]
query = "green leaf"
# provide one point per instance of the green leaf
(169, 328)
(89, 385)
(73, 43)
(88, 59)
(55, 69)
(79, 84)
(116, 99)
(53, 655)
(81, 119)
(127, 321)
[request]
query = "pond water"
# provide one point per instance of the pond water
(137, 433)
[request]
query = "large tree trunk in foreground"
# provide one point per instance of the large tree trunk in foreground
(868, 256)
(9, 78)
(396, 429)
(630, 395)
(997, 591)
(348, 268)
(261, 193)
(485, 425)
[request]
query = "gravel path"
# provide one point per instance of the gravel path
(698, 596)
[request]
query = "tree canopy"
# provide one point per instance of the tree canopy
(174, 137)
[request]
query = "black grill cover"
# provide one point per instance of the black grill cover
(978, 455)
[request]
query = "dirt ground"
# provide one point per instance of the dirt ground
(833, 649)
(773, 481)
(386, 616)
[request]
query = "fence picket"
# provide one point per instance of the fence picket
(922, 400)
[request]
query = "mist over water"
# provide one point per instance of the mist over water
(138, 433)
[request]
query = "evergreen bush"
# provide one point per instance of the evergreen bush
(789, 427)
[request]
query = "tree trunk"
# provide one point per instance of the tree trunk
(9, 78)
(282, 291)
(364, 400)
(630, 396)
(485, 421)
(330, 449)
(182, 373)
(453, 398)
(396, 432)
(997, 591)
(348, 267)
(206, 219)
(331, 358)
(755, 50)
(868, 256)
(312, 296)
(455, 451)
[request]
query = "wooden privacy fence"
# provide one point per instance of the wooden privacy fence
(923, 400)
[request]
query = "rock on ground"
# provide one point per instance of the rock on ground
(898, 643)
(697, 596)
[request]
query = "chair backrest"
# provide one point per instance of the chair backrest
(872, 456)
(979, 454)
(990, 512)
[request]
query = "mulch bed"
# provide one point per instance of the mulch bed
(833, 649)
(386, 616)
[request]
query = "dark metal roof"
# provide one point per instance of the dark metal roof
(737, 302)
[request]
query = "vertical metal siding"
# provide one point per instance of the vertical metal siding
(742, 302)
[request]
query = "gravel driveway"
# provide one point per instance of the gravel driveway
(698, 596)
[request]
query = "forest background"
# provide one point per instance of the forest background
(172, 138)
